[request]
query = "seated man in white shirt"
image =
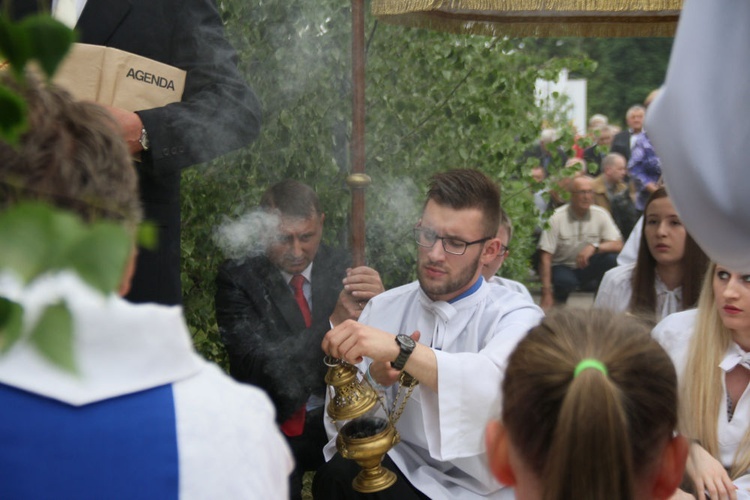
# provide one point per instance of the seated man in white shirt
(489, 270)
(450, 331)
(143, 416)
(580, 245)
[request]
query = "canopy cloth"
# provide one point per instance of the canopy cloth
(536, 18)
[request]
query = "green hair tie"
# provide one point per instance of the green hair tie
(589, 363)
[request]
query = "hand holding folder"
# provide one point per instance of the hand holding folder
(117, 78)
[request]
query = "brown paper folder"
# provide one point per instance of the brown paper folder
(118, 78)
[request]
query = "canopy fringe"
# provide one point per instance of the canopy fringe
(540, 18)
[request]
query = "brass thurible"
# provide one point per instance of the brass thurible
(365, 438)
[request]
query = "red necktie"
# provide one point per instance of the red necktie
(297, 281)
(295, 424)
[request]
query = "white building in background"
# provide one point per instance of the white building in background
(566, 97)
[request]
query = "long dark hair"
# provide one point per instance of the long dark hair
(694, 263)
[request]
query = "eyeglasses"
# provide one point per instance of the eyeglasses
(503, 249)
(584, 192)
(427, 238)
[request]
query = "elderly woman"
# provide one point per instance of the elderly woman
(666, 277)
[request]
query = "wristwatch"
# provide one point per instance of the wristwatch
(596, 247)
(407, 346)
(143, 139)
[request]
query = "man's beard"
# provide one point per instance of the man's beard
(453, 284)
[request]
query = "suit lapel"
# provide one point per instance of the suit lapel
(326, 285)
(100, 18)
(283, 299)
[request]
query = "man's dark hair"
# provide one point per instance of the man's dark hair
(291, 199)
(468, 188)
(71, 156)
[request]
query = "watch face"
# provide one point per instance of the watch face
(406, 342)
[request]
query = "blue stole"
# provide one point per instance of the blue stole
(124, 447)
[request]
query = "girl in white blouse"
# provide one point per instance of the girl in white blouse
(709, 348)
(666, 277)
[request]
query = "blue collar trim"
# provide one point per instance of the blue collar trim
(468, 292)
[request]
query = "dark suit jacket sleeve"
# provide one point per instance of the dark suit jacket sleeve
(621, 144)
(219, 111)
(264, 347)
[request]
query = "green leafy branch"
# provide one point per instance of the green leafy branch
(37, 38)
(38, 239)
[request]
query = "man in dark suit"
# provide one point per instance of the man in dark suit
(625, 140)
(593, 155)
(272, 334)
(218, 112)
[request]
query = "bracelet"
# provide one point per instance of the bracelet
(371, 380)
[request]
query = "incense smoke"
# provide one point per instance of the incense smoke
(248, 236)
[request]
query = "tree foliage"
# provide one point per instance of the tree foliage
(626, 70)
(434, 102)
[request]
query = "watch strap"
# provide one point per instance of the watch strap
(400, 362)
(406, 344)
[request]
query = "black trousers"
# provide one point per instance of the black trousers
(566, 279)
(157, 271)
(307, 449)
(333, 481)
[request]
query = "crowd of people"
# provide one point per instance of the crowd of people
(644, 396)
(592, 203)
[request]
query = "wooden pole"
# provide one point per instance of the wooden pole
(358, 180)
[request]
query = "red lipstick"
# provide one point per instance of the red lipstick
(731, 309)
